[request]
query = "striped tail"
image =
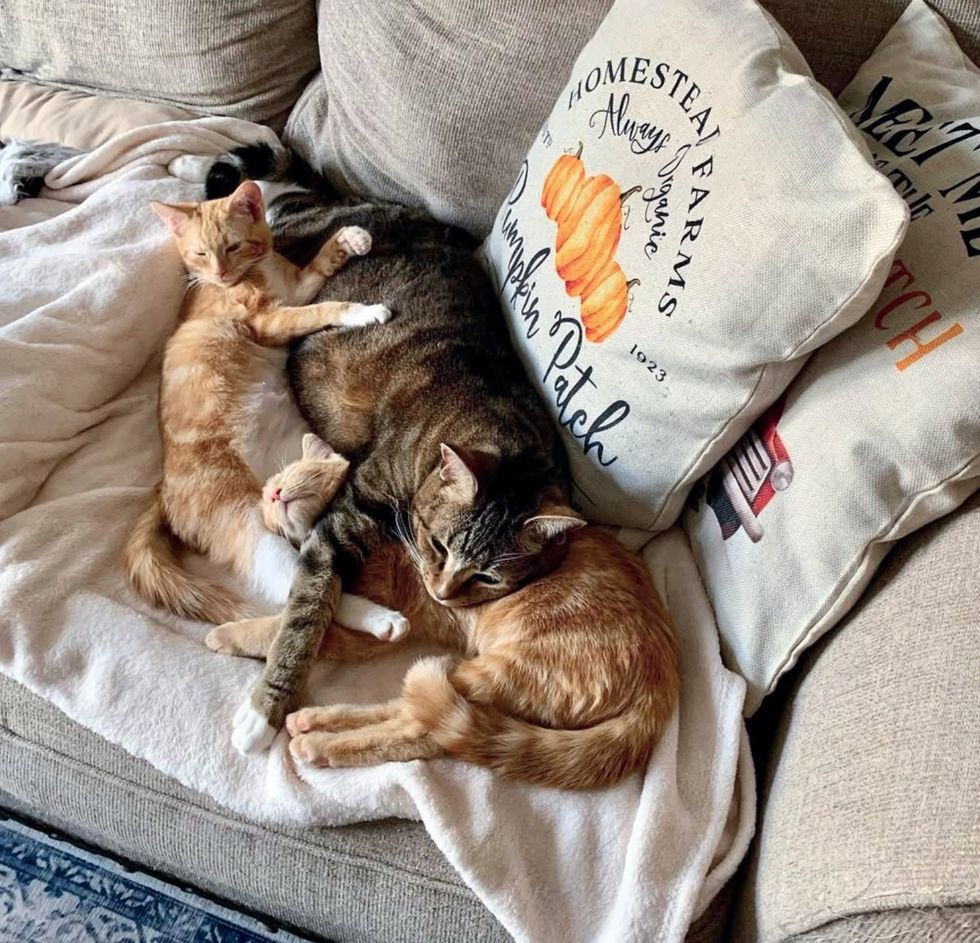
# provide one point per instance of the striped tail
(150, 559)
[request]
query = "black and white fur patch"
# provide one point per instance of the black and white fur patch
(25, 164)
(290, 189)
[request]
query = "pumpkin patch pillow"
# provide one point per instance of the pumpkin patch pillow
(695, 217)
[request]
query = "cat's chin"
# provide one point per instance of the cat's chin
(452, 603)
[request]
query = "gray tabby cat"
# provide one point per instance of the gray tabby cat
(451, 449)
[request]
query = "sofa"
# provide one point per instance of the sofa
(868, 773)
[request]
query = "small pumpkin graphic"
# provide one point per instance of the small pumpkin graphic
(589, 214)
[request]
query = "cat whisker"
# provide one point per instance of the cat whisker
(405, 536)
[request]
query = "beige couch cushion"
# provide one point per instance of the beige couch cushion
(836, 36)
(447, 128)
(871, 795)
(435, 105)
(42, 113)
(245, 58)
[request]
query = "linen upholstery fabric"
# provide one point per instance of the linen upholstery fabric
(243, 58)
(434, 102)
(727, 221)
(915, 925)
(381, 881)
(836, 36)
(471, 105)
(869, 795)
(42, 113)
(880, 433)
(371, 882)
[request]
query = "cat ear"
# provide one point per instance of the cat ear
(456, 472)
(173, 215)
(551, 521)
(315, 447)
(247, 200)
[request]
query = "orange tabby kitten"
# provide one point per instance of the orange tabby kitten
(244, 297)
(567, 681)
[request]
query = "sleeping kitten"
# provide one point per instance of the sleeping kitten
(566, 682)
(244, 297)
(294, 498)
(292, 501)
(25, 164)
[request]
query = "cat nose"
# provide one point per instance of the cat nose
(443, 589)
(276, 495)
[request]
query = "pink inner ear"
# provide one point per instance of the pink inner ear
(247, 199)
(173, 216)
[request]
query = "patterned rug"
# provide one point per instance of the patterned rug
(54, 892)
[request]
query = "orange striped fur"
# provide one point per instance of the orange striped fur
(243, 297)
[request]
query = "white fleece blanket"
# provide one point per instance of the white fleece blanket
(87, 300)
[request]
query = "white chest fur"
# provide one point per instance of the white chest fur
(271, 429)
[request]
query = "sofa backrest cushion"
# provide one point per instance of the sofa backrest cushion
(245, 58)
(436, 105)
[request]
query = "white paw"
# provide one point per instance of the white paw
(251, 732)
(387, 625)
(191, 168)
(360, 315)
(354, 240)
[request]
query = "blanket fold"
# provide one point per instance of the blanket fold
(88, 297)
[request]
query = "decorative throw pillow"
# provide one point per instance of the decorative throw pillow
(880, 432)
(695, 217)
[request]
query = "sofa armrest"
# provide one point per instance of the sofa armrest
(871, 789)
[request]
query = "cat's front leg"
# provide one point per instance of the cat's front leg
(279, 326)
(362, 615)
(343, 245)
(248, 638)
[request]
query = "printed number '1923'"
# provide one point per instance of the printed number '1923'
(659, 374)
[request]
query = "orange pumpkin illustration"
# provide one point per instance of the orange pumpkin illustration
(589, 214)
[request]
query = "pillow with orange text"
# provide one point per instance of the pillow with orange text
(880, 432)
(696, 216)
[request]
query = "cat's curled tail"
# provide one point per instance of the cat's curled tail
(585, 758)
(155, 572)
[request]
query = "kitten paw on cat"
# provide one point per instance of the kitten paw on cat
(354, 240)
(386, 625)
(359, 315)
(251, 732)
(221, 639)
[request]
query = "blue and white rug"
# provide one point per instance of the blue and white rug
(54, 892)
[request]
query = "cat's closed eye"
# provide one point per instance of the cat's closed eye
(438, 546)
(201, 255)
(234, 247)
(488, 578)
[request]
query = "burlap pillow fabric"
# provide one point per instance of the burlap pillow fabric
(880, 433)
(695, 217)
(245, 58)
